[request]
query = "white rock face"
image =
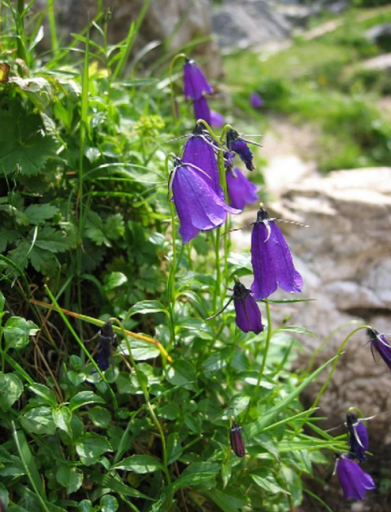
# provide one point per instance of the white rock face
(344, 257)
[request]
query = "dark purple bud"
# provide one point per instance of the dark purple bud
(248, 315)
(237, 443)
(107, 339)
(255, 100)
(238, 145)
(201, 110)
(197, 204)
(240, 189)
(216, 120)
(228, 159)
(354, 481)
(200, 151)
(271, 259)
(358, 437)
(195, 83)
(381, 345)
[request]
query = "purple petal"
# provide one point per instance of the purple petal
(240, 147)
(200, 153)
(201, 110)
(255, 100)
(248, 315)
(240, 189)
(198, 206)
(216, 119)
(383, 348)
(354, 481)
(272, 262)
(195, 83)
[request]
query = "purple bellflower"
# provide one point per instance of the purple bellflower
(358, 437)
(248, 316)
(201, 110)
(200, 151)
(354, 481)
(255, 100)
(236, 439)
(216, 120)
(239, 145)
(107, 339)
(195, 83)
(381, 345)
(197, 204)
(271, 259)
(240, 189)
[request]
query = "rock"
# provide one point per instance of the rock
(171, 22)
(248, 23)
(381, 35)
(379, 63)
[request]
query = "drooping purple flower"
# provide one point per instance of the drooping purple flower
(107, 339)
(201, 110)
(238, 145)
(255, 100)
(195, 83)
(236, 439)
(354, 481)
(240, 189)
(216, 120)
(197, 204)
(199, 150)
(271, 259)
(228, 159)
(381, 345)
(248, 315)
(358, 437)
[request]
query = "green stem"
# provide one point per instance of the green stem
(340, 350)
(170, 72)
(146, 396)
(52, 26)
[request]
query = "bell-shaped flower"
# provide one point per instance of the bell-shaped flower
(216, 119)
(255, 100)
(197, 204)
(358, 437)
(248, 315)
(195, 83)
(354, 481)
(201, 110)
(381, 346)
(236, 439)
(239, 145)
(241, 190)
(107, 339)
(271, 259)
(200, 151)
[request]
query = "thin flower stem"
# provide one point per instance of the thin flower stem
(340, 350)
(170, 72)
(146, 396)
(263, 365)
(218, 270)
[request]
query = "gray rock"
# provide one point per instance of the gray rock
(379, 63)
(379, 32)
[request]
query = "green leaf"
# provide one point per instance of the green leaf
(53, 240)
(231, 500)
(268, 483)
(69, 477)
(196, 473)
(139, 464)
(62, 418)
(174, 448)
(11, 388)
(45, 393)
(39, 421)
(85, 506)
(108, 503)
(38, 213)
(17, 332)
(99, 416)
(141, 350)
(147, 307)
(2, 302)
(115, 484)
(181, 373)
(84, 398)
(4, 496)
(23, 145)
(90, 447)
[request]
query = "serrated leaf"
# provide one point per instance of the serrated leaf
(84, 398)
(24, 144)
(139, 464)
(69, 477)
(38, 213)
(17, 332)
(53, 240)
(11, 388)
